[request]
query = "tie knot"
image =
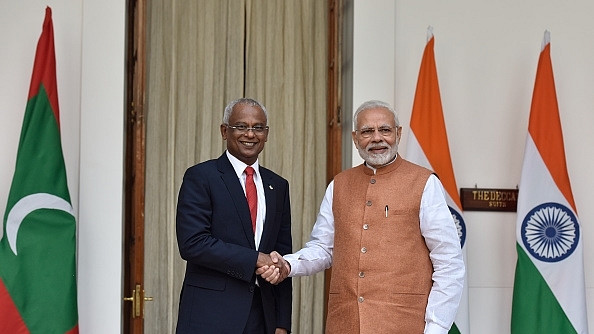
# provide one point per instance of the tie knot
(249, 171)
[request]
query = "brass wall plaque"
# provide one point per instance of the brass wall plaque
(481, 199)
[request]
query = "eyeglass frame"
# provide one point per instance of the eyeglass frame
(257, 129)
(393, 130)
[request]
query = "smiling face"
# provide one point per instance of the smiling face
(378, 149)
(245, 146)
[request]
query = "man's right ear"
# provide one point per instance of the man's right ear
(354, 135)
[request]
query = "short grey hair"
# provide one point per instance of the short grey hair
(243, 100)
(372, 104)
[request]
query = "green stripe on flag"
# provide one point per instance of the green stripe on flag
(535, 308)
(454, 329)
(40, 163)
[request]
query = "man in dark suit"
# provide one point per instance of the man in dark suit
(224, 239)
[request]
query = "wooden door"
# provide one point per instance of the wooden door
(137, 271)
(334, 108)
(134, 294)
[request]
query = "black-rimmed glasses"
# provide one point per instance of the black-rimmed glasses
(385, 131)
(243, 129)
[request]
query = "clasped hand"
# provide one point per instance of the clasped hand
(272, 267)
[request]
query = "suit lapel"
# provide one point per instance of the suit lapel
(270, 193)
(237, 195)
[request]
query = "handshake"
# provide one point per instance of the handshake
(272, 267)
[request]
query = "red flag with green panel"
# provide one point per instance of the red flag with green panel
(38, 237)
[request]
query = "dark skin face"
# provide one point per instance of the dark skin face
(247, 146)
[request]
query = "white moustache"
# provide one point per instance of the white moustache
(377, 145)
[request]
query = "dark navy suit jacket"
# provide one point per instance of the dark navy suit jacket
(215, 237)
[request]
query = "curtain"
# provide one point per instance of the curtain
(201, 55)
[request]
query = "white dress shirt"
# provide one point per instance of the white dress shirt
(440, 235)
(239, 167)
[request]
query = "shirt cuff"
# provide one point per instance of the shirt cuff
(433, 328)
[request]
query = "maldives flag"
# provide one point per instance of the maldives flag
(549, 289)
(38, 238)
(428, 146)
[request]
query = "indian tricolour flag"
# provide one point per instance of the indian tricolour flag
(549, 289)
(38, 236)
(428, 146)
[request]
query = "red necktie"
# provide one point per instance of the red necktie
(251, 194)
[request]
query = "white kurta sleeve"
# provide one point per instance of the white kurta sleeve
(316, 255)
(441, 236)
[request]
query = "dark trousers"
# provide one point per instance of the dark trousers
(256, 323)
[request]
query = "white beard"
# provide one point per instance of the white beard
(377, 160)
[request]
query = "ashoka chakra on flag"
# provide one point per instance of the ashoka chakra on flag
(550, 232)
(460, 225)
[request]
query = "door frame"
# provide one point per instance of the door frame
(333, 109)
(136, 154)
(135, 161)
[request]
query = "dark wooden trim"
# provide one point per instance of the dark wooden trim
(334, 136)
(135, 160)
(334, 110)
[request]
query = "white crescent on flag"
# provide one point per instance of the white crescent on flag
(27, 205)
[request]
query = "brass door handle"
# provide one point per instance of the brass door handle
(138, 300)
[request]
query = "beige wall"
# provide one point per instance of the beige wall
(486, 55)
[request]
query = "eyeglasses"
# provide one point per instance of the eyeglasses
(385, 131)
(242, 129)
